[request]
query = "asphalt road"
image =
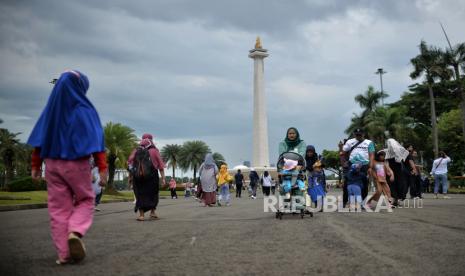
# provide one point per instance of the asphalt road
(243, 240)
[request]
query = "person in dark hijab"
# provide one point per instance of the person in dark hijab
(310, 157)
(146, 188)
(292, 142)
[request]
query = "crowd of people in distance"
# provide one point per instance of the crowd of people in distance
(68, 137)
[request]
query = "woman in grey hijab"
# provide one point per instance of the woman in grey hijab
(208, 171)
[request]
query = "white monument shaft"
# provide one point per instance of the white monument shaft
(260, 156)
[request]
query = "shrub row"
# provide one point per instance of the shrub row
(25, 184)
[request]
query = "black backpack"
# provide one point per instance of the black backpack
(142, 164)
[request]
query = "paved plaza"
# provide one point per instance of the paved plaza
(243, 240)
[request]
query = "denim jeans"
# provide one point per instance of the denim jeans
(354, 194)
(224, 193)
(443, 179)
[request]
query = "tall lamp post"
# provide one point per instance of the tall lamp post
(381, 72)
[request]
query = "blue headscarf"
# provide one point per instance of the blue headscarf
(69, 127)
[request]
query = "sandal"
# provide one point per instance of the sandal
(140, 219)
(77, 250)
(153, 216)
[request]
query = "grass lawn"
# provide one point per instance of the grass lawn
(33, 197)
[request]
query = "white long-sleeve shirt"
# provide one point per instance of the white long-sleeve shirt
(267, 181)
(440, 167)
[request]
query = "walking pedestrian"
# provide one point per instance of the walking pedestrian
(396, 155)
(254, 179)
(224, 178)
(362, 151)
(316, 185)
(208, 171)
(439, 172)
(381, 170)
(239, 180)
(418, 184)
(145, 163)
(66, 135)
(173, 188)
(98, 190)
(311, 157)
(266, 179)
(292, 142)
(356, 179)
(410, 175)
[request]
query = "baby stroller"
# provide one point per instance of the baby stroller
(291, 186)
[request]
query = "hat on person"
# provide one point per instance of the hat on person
(289, 164)
(358, 131)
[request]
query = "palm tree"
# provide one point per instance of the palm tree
(219, 159)
(170, 155)
(370, 100)
(430, 63)
(388, 122)
(455, 57)
(357, 121)
(192, 155)
(120, 140)
(11, 152)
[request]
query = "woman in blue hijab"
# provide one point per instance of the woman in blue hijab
(67, 133)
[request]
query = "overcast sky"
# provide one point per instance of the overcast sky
(179, 69)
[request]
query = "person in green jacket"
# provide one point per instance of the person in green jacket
(293, 143)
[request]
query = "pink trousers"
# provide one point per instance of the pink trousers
(70, 200)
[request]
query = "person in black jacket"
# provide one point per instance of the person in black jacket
(239, 180)
(254, 179)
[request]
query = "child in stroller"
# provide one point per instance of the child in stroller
(291, 186)
(289, 170)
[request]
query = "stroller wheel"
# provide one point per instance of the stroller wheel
(277, 214)
(280, 216)
(311, 214)
(302, 214)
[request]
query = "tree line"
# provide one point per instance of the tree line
(120, 140)
(430, 115)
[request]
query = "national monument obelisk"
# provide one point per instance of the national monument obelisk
(260, 157)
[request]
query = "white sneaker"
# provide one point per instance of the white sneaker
(436, 196)
(97, 209)
(447, 197)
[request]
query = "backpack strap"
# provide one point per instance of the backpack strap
(440, 161)
(354, 146)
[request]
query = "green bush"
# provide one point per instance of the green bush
(121, 184)
(25, 184)
(457, 182)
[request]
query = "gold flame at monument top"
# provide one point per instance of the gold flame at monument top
(258, 43)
